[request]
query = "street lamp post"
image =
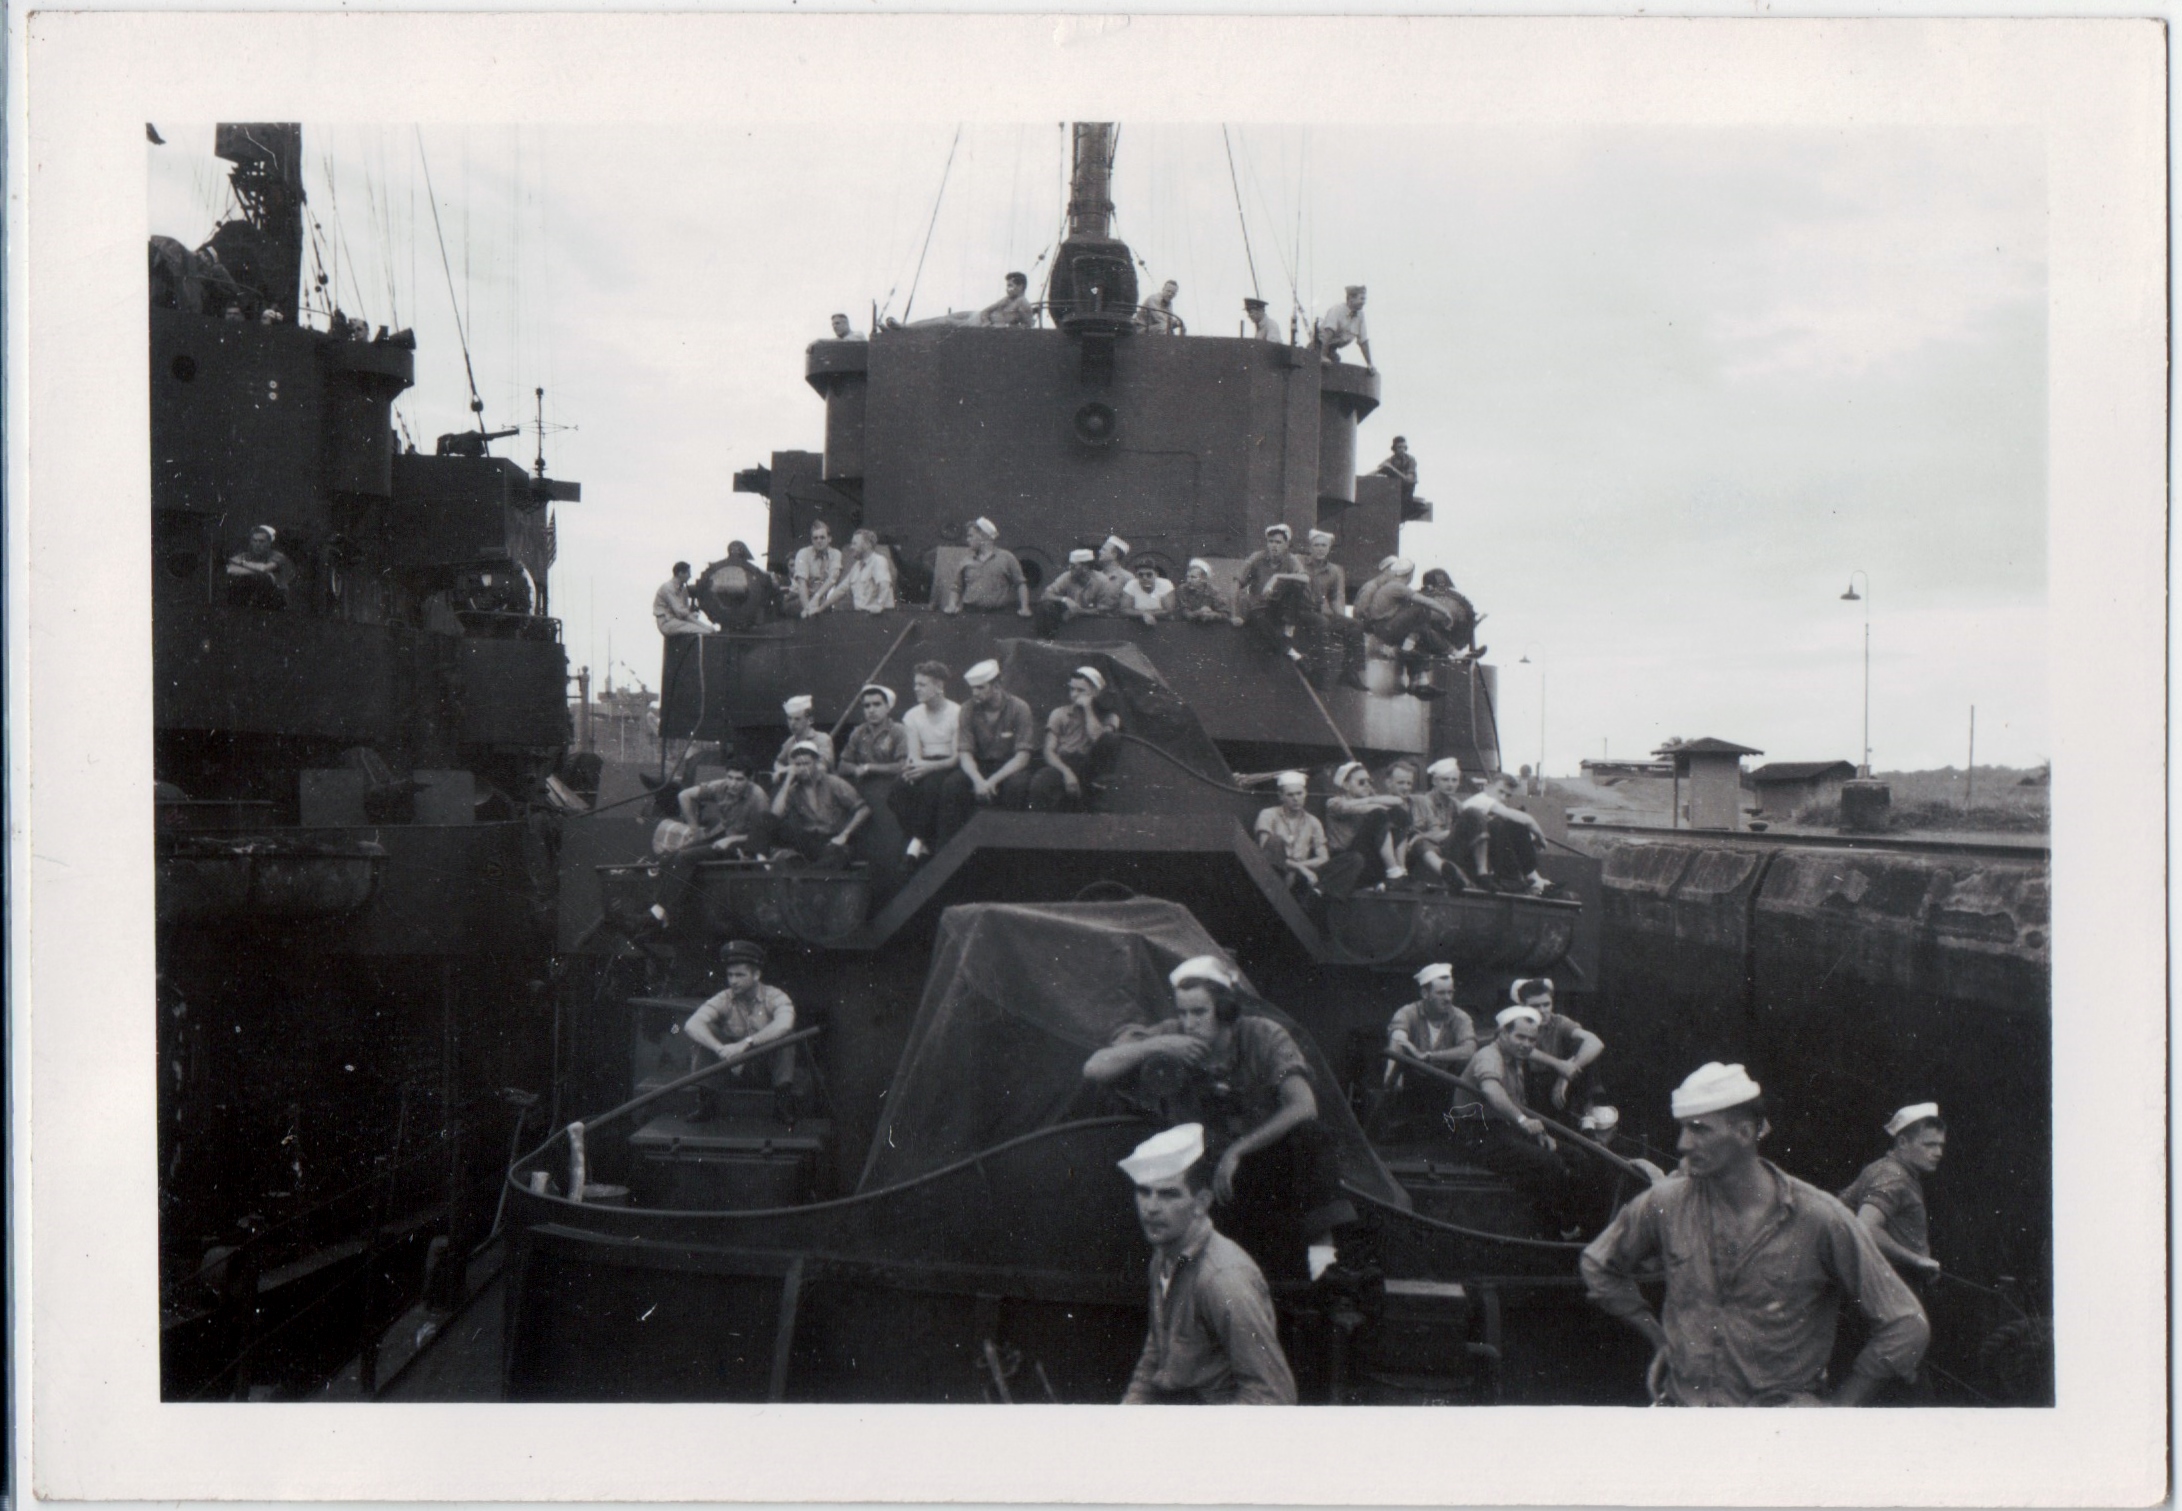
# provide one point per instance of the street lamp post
(1524, 660)
(1852, 596)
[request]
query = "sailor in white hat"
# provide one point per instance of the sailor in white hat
(1360, 828)
(1760, 1263)
(878, 746)
(1214, 1338)
(815, 813)
(260, 575)
(1114, 562)
(1247, 1079)
(1431, 1029)
(1566, 1049)
(1491, 1112)
(1081, 745)
(1199, 599)
(801, 728)
(1273, 593)
(1081, 590)
(1292, 837)
(1434, 851)
(997, 742)
(989, 580)
(1330, 601)
(1888, 1197)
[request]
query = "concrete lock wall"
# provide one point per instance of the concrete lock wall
(1850, 981)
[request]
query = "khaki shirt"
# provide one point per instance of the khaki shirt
(1755, 1328)
(1214, 1339)
(1898, 1193)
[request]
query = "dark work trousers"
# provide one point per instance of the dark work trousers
(1414, 619)
(812, 843)
(1288, 604)
(1545, 1175)
(1511, 852)
(916, 801)
(1412, 1109)
(1049, 792)
(958, 800)
(255, 592)
(676, 890)
(1286, 1197)
(1358, 864)
(1047, 615)
(1350, 632)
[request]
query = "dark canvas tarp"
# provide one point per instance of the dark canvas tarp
(1037, 671)
(1018, 997)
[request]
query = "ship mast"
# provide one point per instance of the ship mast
(1090, 202)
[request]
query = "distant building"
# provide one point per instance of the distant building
(1708, 778)
(1606, 773)
(1784, 788)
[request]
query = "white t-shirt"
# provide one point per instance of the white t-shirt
(1341, 325)
(1136, 601)
(933, 733)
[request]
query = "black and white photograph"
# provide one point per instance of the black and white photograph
(1087, 747)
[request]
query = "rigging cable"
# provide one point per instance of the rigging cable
(477, 405)
(911, 302)
(1240, 218)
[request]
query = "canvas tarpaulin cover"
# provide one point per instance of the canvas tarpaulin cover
(1018, 997)
(1037, 671)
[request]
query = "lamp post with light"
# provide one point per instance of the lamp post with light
(1524, 660)
(1852, 596)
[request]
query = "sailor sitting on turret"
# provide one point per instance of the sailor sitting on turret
(843, 331)
(1199, 600)
(867, 580)
(1433, 852)
(1082, 743)
(815, 814)
(998, 741)
(1261, 324)
(933, 726)
(1147, 595)
(801, 729)
(671, 609)
(1081, 590)
(740, 1019)
(815, 570)
(878, 747)
(259, 576)
(1273, 594)
(1566, 1049)
(1292, 837)
(1343, 324)
(1012, 309)
(1157, 317)
(1501, 841)
(989, 579)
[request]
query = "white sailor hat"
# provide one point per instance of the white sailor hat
(1092, 675)
(1444, 766)
(805, 747)
(881, 689)
(1345, 770)
(1438, 970)
(982, 673)
(1163, 1156)
(1291, 781)
(1713, 1087)
(1200, 563)
(985, 527)
(1321, 535)
(1400, 566)
(1601, 1119)
(797, 706)
(270, 532)
(1082, 556)
(1518, 1014)
(1277, 528)
(1201, 968)
(1915, 1112)
(1530, 986)
(1116, 542)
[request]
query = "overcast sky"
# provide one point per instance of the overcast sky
(1668, 387)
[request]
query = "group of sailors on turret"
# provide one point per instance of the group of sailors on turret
(1286, 600)
(1341, 326)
